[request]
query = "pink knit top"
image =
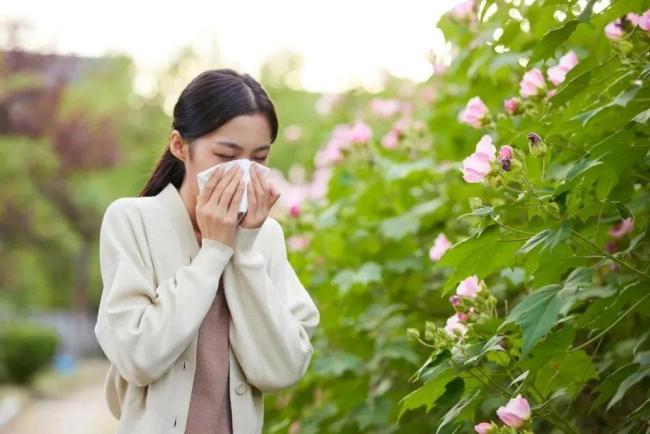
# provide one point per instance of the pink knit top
(210, 411)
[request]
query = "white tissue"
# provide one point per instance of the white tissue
(245, 163)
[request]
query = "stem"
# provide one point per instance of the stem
(612, 325)
(511, 228)
(552, 415)
(607, 255)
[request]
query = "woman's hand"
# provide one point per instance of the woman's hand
(218, 204)
(261, 197)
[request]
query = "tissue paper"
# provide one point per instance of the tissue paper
(245, 164)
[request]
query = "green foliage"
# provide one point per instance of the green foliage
(26, 348)
(561, 312)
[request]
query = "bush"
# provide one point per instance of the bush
(504, 230)
(25, 348)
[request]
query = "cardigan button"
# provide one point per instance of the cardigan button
(240, 388)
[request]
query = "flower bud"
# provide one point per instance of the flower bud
(535, 145)
(413, 333)
(475, 203)
(495, 180)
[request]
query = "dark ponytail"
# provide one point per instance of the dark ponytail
(210, 100)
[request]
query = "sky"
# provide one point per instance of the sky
(343, 43)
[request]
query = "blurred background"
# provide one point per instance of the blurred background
(86, 92)
(528, 268)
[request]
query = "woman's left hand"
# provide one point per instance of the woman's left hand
(261, 197)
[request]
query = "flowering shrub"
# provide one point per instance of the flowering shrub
(513, 227)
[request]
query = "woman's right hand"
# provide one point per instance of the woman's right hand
(218, 204)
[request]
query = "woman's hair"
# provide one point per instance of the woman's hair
(210, 100)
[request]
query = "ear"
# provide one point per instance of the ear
(177, 146)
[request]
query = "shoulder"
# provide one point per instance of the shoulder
(124, 210)
(129, 204)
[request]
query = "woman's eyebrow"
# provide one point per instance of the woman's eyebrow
(235, 145)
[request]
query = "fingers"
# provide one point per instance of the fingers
(229, 187)
(274, 195)
(258, 185)
(236, 199)
(210, 185)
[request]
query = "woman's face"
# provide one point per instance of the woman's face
(246, 136)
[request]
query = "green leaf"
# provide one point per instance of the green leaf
(571, 89)
(547, 239)
(369, 272)
(337, 364)
(453, 414)
(480, 254)
(551, 40)
(626, 384)
(569, 371)
(554, 343)
(609, 386)
(536, 315)
(427, 394)
(621, 100)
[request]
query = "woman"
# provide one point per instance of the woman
(201, 312)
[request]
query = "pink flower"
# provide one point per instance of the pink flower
(317, 189)
(328, 155)
(428, 94)
(621, 228)
(633, 18)
(515, 412)
(477, 166)
(297, 242)
(475, 113)
(294, 210)
(611, 247)
(453, 324)
(483, 428)
(384, 108)
(463, 10)
(401, 125)
(532, 83)
(390, 140)
(360, 132)
(616, 29)
(440, 246)
(454, 300)
(439, 67)
(557, 73)
(468, 287)
(342, 137)
(512, 105)
(506, 154)
(644, 21)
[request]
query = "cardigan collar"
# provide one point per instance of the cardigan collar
(174, 206)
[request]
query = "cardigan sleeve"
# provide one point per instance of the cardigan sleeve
(144, 326)
(273, 317)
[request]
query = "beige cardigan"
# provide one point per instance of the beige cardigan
(158, 285)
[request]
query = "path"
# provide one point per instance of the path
(82, 411)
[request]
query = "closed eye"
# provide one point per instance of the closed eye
(230, 157)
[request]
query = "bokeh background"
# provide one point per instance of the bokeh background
(394, 198)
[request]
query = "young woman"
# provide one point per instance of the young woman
(201, 312)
